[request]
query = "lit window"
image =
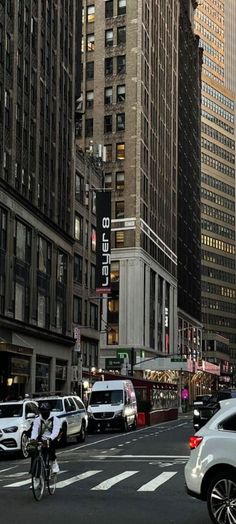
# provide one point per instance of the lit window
(93, 239)
(120, 151)
(90, 42)
(89, 99)
(119, 239)
(79, 228)
(90, 13)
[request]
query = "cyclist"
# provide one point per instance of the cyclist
(45, 428)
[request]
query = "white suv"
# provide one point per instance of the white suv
(210, 472)
(72, 413)
(16, 419)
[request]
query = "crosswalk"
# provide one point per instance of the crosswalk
(22, 480)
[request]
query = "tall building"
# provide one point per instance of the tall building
(130, 93)
(218, 188)
(37, 64)
(189, 185)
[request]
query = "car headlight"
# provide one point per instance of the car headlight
(118, 413)
(196, 413)
(90, 415)
(12, 429)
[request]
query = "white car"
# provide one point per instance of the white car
(210, 472)
(73, 415)
(16, 419)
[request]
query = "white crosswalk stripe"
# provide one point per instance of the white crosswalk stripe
(157, 481)
(107, 484)
(83, 476)
(25, 482)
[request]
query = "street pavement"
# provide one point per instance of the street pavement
(133, 477)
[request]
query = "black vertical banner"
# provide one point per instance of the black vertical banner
(103, 241)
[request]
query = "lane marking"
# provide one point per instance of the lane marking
(144, 456)
(7, 469)
(157, 481)
(72, 480)
(25, 482)
(107, 484)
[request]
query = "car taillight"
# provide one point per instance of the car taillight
(194, 442)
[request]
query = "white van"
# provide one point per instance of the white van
(112, 404)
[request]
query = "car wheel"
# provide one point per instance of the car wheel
(24, 445)
(82, 436)
(221, 498)
(64, 435)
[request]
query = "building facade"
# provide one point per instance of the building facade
(37, 63)
(218, 184)
(130, 93)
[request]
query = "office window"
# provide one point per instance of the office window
(19, 301)
(120, 122)
(79, 188)
(78, 269)
(89, 99)
(44, 256)
(61, 267)
(119, 239)
(79, 228)
(89, 127)
(121, 35)
(121, 7)
(92, 276)
(108, 153)
(120, 209)
(120, 94)
(22, 242)
(77, 310)
(90, 14)
(109, 9)
(90, 42)
(93, 316)
(120, 151)
(120, 180)
(108, 95)
(109, 38)
(108, 180)
(7, 108)
(108, 66)
(90, 70)
(121, 64)
(108, 124)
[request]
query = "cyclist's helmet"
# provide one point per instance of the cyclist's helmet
(44, 410)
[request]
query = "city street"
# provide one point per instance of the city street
(136, 477)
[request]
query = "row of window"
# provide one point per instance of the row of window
(218, 166)
(209, 35)
(215, 28)
(210, 63)
(217, 184)
(80, 316)
(108, 66)
(214, 12)
(82, 273)
(208, 256)
(217, 150)
(207, 47)
(211, 75)
(109, 10)
(218, 274)
(218, 229)
(210, 131)
(119, 180)
(218, 244)
(217, 121)
(109, 39)
(81, 233)
(228, 292)
(219, 305)
(218, 95)
(108, 123)
(217, 109)
(216, 320)
(218, 214)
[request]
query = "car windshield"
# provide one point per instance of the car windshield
(106, 397)
(54, 403)
(11, 410)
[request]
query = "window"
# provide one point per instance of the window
(113, 335)
(120, 209)
(90, 42)
(79, 188)
(120, 151)
(41, 310)
(229, 424)
(121, 35)
(120, 122)
(121, 64)
(77, 310)
(109, 38)
(108, 124)
(108, 95)
(109, 9)
(89, 99)
(120, 94)
(90, 14)
(7, 108)
(120, 180)
(23, 242)
(89, 70)
(61, 267)
(121, 7)
(108, 180)
(93, 239)
(79, 228)
(108, 66)
(8, 52)
(119, 239)
(93, 316)
(92, 276)
(44, 256)
(19, 301)
(78, 269)
(108, 153)
(89, 127)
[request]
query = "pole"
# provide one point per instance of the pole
(180, 391)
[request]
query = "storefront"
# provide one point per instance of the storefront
(14, 370)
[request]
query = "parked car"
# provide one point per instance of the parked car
(201, 400)
(203, 412)
(210, 472)
(72, 413)
(16, 419)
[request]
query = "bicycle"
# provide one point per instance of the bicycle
(42, 473)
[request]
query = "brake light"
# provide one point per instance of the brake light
(194, 442)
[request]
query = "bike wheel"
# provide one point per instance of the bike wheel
(51, 482)
(38, 481)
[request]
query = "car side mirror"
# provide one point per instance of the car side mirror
(30, 415)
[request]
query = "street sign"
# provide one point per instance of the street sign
(113, 363)
(124, 353)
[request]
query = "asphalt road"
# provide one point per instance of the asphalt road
(131, 478)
